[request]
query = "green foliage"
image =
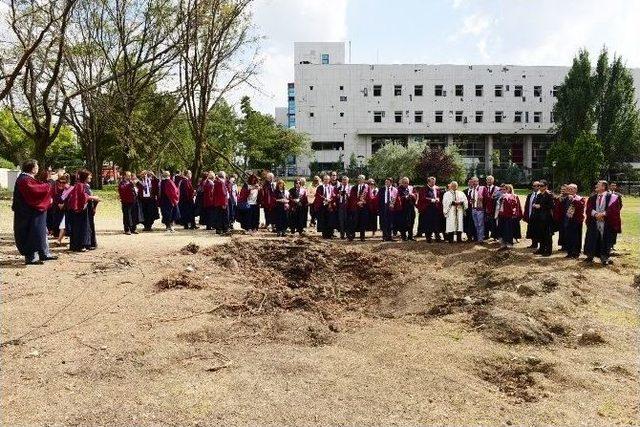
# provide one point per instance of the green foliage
(604, 100)
(6, 164)
(512, 174)
(396, 161)
(580, 163)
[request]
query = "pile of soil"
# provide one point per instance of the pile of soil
(517, 377)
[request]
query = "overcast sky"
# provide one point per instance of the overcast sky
(534, 32)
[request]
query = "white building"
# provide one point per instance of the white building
(493, 113)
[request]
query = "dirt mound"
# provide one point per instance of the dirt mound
(306, 274)
(518, 377)
(180, 281)
(191, 248)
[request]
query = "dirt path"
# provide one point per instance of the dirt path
(246, 330)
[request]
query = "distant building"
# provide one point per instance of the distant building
(495, 114)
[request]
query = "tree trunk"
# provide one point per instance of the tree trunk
(196, 166)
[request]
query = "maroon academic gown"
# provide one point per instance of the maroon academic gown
(31, 199)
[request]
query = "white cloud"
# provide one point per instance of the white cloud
(284, 22)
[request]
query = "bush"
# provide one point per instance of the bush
(396, 161)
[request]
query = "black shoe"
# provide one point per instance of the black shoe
(34, 262)
(49, 258)
(411, 239)
(134, 232)
(128, 233)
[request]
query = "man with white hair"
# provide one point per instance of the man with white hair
(268, 199)
(454, 203)
(407, 214)
(603, 221)
(490, 217)
(344, 190)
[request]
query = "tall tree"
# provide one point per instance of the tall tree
(40, 97)
(218, 54)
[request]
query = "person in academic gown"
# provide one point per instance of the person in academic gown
(148, 188)
(374, 207)
(559, 212)
(343, 189)
(298, 207)
(281, 209)
(571, 221)
(603, 221)
(454, 204)
(187, 206)
(387, 202)
(508, 211)
(232, 205)
(430, 210)
(168, 200)
(358, 207)
(267, 199)
(31, 200)
(490, 208)
(325, 207)
(249, 205)
(82, 209)
(613, 188)
(200, 213)
(528, 210)
(541, 219)
(208, 211)
(478, 198)
(407, 209)
(311, 196)
(220, 204)
(128, 200)
(58, 207)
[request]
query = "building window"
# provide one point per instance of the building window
(439, 90)
(417, 117)
(472, 150)
(498, 91)
(517, 118)
(377, 90)
(310, 87)
(537, 116)
(377, 116)
(438, 118)
(459, 116)
(479, 115)
(417, 90)
(397, 90)
(517, 91)
(498, 116)
(341, 114)
(554, 92)
(537, 91)
(398, 116)
(526, 117)
(327, 145)
(341, 87)
(479, 90)
(552, 118)
(459, 90)
(343, 98)
(325, 58)
(311, 115)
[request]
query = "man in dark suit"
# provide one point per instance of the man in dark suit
(526, 215)
(542, 219)
(387, 198)
(603, 222)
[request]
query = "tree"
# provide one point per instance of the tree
(445, 165)
(588, 160)
(396, 161)
(215, 58)
(40, 98)
(573, 111)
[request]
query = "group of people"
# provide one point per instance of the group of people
(336, 207)
(52, 207)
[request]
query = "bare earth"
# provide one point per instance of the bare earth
(239, 330)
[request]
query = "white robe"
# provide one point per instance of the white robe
(454, 217)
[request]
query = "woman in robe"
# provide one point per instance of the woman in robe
(82, 207)
(249, 205)
(62, 189)
(373, 207)
(186, 205)
(168, 201)
(509, 213)
(454, 203)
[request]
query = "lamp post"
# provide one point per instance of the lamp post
(553, 173)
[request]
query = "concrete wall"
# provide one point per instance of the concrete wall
(8, 178)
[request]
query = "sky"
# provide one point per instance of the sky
(534, 32)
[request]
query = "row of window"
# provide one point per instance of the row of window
(459, 90)
(499, 117)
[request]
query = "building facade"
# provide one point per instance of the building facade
(497, 115)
